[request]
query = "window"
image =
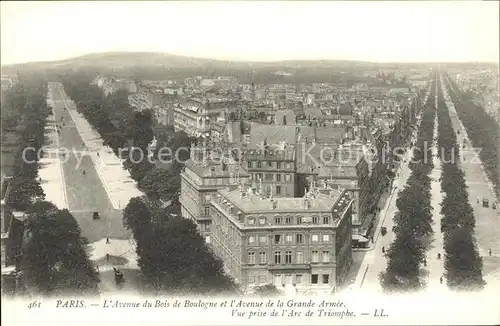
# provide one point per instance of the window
(270, 164)
(259, 165)
(250, 164)
(288, 238)
(299, 238)
(288, 257)
(251, 221)
(326, 238)
(207, 211)
(277, 239)
(278, 165)
(315, 219)
(299, 257)
(287, 177)
(288, 165)
(314, 238)
(259, 176)
(251, 257)
(251, 239)
(315, 256)
(262, 257)
(277, 257)
(262, 220)
(314, 279)
(251, 280)
(262, 279)
(208, 198)
(288, 220)
(250, 177)
(277, 220)
(269, 177)
(326, 279)
(278, 177)
(299, 220)
(278, 190)
(262, 239)
(326, 256)
(277, 280)
(326, 219)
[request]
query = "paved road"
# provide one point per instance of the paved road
(374, 260)
(85, 193)
(487, 228)
(435, 268)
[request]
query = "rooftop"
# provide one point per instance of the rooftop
(250, 202)
(271, 134)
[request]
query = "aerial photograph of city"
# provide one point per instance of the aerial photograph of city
(249, 150)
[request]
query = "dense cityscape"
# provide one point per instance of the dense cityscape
(385, 179)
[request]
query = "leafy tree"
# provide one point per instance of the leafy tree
(55, 261)
(174, 258)
(160, 184)
(139, 129)
(413, 221)
(463, 265)
(136, 217)
(23, 193)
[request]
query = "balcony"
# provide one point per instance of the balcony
(285, 267)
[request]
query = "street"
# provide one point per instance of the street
(487, 228)
(374, 260)
(86, 194)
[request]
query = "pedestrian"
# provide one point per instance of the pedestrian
(107, 241)
(107, 257)
(441, 280)
(439, 256)
(97, 267)
(425, 262)
(383, 249)
(489, 251)
(372, 240)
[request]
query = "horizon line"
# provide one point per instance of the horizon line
(244, 61)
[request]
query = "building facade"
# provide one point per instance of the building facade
(274, 170)
(200, 180)
(301, 242)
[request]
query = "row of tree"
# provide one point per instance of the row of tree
(463, 264)
(48, 247)
(26, 101)
(413, 221)
(483, 131)
(123, 129)
(172, 254)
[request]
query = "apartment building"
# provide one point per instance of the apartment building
(272, 169)
(301, 242)
(195, 115)
(200, 180)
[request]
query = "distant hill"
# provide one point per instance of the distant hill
(157, 66)
(133, 59)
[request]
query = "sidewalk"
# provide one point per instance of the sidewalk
(50, 167)
(374, 262)
(479, 186)
(435, 268)
(117, 182)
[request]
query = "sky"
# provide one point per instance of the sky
(394, 31)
